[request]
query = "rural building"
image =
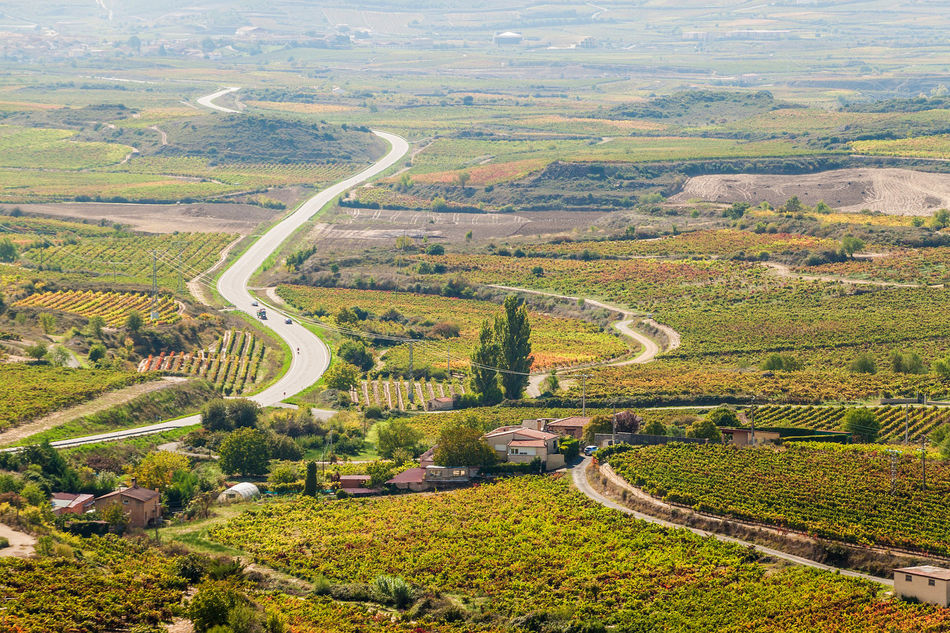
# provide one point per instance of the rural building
(357, 485)
(569, 427)
(926, 583)
(141, 505)
(743, 437)
(244, 491)
(429, 477)
(538, 424)
(68, 503)
(508, 38)
(521, 445)
(428, 458)
(440, 404)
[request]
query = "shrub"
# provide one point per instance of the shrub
(393, 590)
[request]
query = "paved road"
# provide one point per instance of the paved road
(208, 101)
(313, 357)
(579, 477)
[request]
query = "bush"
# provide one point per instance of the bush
(4, 542)
(393, 590)
(210, 606)
(723, 416)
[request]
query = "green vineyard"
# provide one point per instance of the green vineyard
(114, 307)
(232, 364)
(918, 420)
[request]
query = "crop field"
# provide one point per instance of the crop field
(232, 364)
(720, 243)
(39, 148)
(667, 383)
(117, 584)
(830, 491)
(114, 307)
(30, 391)
(556, 342)
(937, 146)
(393, 393)
(920, 421)
(128, 257)
(529, 544)
(930, 266)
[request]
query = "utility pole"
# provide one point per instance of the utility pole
(411, 376)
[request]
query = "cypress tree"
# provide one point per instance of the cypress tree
(310, 484)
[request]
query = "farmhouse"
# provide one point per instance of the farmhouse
(521, 445)
(357, 485)
(140, 504)
(743, 437)
(926, 583)
(569, 427)
(429, 477)
(440, 404)
(68, 503)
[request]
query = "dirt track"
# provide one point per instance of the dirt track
(891, 191)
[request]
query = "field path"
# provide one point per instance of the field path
(196, 286)
(582, 483)
(21, 544)
(650, 348)
(782, 270)
(103, 402)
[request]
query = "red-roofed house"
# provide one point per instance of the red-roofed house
(569, 427)
(68, 503)
(522, 445)
(142, 505)
(357, 485)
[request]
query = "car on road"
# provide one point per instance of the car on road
(254, 303)
(288, 321)
(262, 314)
(590, 450)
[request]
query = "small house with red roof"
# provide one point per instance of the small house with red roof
(69, 503)
(521, 445)
(141, 505)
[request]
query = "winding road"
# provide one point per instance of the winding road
(582, 483)
(624, 326)
(313, 357)
(208, 101)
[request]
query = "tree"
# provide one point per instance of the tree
(97, 352)
(793, 205)
(58, 356)
(460, 444)
(941, 219)
(484, 359)
(513, 336)
(342, 376)
(210, 606)
(310, 483)
(8, 251)
(705, 428)
(863, 423)
(379, 473)
(863, 364)
(157, 469)
(36, 351)
(134, 322)
(942, 367)
(95, 325)
(599, 425)
(550, 385)
(779, 362)
(851, 245)
(243, 412)
(135, 43)
(462, 178)
(244, 451)
(214, 416)
(907, 363)
(355, 353)
(48, 322)
(395, 435)
(654, 427)
(736, 211)
(723, 416)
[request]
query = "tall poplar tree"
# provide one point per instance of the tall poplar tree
(513, 338)
(484, 359)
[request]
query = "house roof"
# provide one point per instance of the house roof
(70, 500)
(572, 422)
(534, 443)
(355, 477)
(139, 494)
(442, 399)
(522, 432)
(411, 476)
(928, 571)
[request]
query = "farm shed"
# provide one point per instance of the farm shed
(244, 491)
(925, 583)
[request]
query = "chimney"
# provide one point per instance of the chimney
(135, 482)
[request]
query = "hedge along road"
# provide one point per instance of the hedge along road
(313, 358)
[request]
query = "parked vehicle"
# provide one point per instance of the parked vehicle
(590, 450)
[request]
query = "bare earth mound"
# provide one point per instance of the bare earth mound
(891, 191)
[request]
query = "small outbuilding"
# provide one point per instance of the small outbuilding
(244, 491)
(926, 583)
(68, 503)
(440, 404)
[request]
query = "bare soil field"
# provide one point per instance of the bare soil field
(384, 224)
(161, 218)
(891, 191)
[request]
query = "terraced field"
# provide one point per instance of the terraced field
(894, 420)
(114, 307)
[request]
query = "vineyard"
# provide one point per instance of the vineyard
(127, 257)
(919, 420)
(393, 393)
(39, 148)
(116, 585)
(30, 391)
(531, 544)
(556, 342)
(838, 492)
(114, 307)
(232, 364)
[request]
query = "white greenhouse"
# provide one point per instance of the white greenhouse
(243, 491)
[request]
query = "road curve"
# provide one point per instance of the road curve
(581, 482)
(308, 365)
(208, 101)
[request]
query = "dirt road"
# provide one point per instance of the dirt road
(782, 270)
(21, 544)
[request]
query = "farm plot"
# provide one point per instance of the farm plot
(919, 420)
(830, 491)
(531, 544)
(232, 364)
(29, 391)
(393, 392)
(114, 307)
(556, 342)
(39, 148)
